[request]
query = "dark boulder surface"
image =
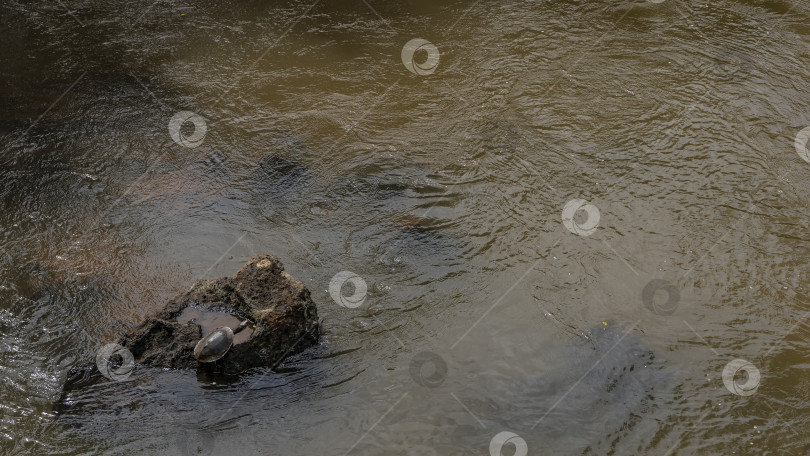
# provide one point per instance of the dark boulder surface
(283, 320)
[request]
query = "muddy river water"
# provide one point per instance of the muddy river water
(582, 226)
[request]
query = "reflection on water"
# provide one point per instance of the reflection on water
(443, 187)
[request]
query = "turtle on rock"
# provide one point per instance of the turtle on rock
(217, 343)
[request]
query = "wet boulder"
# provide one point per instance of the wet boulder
(281, 320)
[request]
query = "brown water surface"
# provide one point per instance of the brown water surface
(568, 228)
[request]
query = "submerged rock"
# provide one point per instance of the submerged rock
(282, 320)
(278, 185)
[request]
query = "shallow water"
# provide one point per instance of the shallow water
(487, 309)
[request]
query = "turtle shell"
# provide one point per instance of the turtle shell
(214, 346)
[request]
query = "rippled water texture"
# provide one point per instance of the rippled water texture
(571, 217)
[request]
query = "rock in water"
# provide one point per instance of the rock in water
(284, 317)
